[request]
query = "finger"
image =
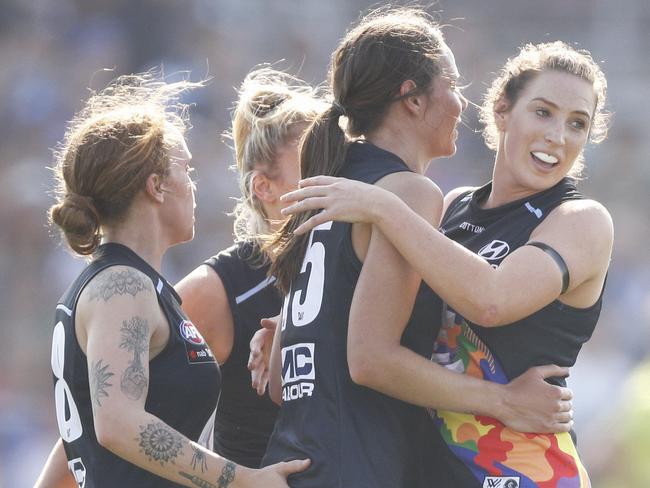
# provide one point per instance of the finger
(565, 393)
(269, 324)
(261, 385)
(293, 466)
(564, 417)
(308, 203)
(254, 360)
(318, 180)
(319, 218)
(565, 406)
(553, 370)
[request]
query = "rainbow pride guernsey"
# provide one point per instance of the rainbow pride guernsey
(497, 456)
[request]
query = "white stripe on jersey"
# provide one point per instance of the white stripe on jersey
(257, 288)
(68, 312)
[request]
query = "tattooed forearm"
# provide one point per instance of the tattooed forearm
(135, 338)
(227, 475)
(113, 283)
(199, 458)
(99, 376)
(196, 481)
(160, 443)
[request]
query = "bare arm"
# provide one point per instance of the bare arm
(206, 304)
(275, 366)
(526, 281)
(55, 473)
(121, 334)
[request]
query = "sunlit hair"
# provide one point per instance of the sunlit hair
(367, 69)
(273, 110)
(532, 60)
(122, 135)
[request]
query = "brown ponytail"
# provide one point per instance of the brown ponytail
(387, 47)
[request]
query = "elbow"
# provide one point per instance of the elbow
(108, 432)
(486, 313)
(363, 371)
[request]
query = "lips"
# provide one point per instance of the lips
(545, 160)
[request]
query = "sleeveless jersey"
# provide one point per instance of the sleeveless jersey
(354, 436)
(496, 455)
(244, 420)
(184, 381)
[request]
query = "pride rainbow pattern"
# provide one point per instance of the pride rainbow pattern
(497, 456)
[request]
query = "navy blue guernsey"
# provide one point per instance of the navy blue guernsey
(355, 437)
(244, 420)
(184, 381)
(494, 454)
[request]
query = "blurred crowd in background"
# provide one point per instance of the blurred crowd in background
(52, 52)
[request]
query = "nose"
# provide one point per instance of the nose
(555, 133)
(463, 102)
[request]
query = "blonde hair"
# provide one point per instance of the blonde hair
(273, 109)
(533, 59)
(110, 148)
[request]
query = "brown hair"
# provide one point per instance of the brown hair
(367, 69)
(533, 59)
(109, 149)
(273, 109)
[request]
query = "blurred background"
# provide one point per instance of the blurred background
(52, 52)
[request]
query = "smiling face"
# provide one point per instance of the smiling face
(542, 135)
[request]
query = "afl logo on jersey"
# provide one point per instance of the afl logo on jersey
(190, 333)
(494, 251)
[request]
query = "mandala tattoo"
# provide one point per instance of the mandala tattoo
(199, 458)
(135, 338)
(227, 475)
(99, 376)
(159, 443)
(111, 283)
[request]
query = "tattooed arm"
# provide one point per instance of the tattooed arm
(121, 328)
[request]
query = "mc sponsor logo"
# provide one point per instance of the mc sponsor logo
(298, 371)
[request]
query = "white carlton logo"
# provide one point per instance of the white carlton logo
(494, 250)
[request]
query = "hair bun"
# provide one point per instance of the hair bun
(78, 219)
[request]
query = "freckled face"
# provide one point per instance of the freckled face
(545, 131)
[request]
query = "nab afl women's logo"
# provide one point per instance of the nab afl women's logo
(190, 333)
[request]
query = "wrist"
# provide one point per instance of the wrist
(243, 476)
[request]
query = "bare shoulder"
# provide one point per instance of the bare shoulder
(117, 281)
(454, 194)
(203, 281)
(587, 218)
(417, 191)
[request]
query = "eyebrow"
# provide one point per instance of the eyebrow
(554, 105)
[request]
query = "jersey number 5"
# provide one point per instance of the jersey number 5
(304, 311)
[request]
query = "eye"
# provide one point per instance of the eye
(579, 124)
(542, 112)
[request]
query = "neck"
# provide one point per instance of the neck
(142, 234)
(505, 187)
(395, 137)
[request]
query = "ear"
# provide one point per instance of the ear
(412, 103)
(501, 111)
(261, 186)
(153, 188)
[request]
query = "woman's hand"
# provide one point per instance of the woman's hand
(275, 475)
(339, 198)
(260, 353)
(533, 405)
